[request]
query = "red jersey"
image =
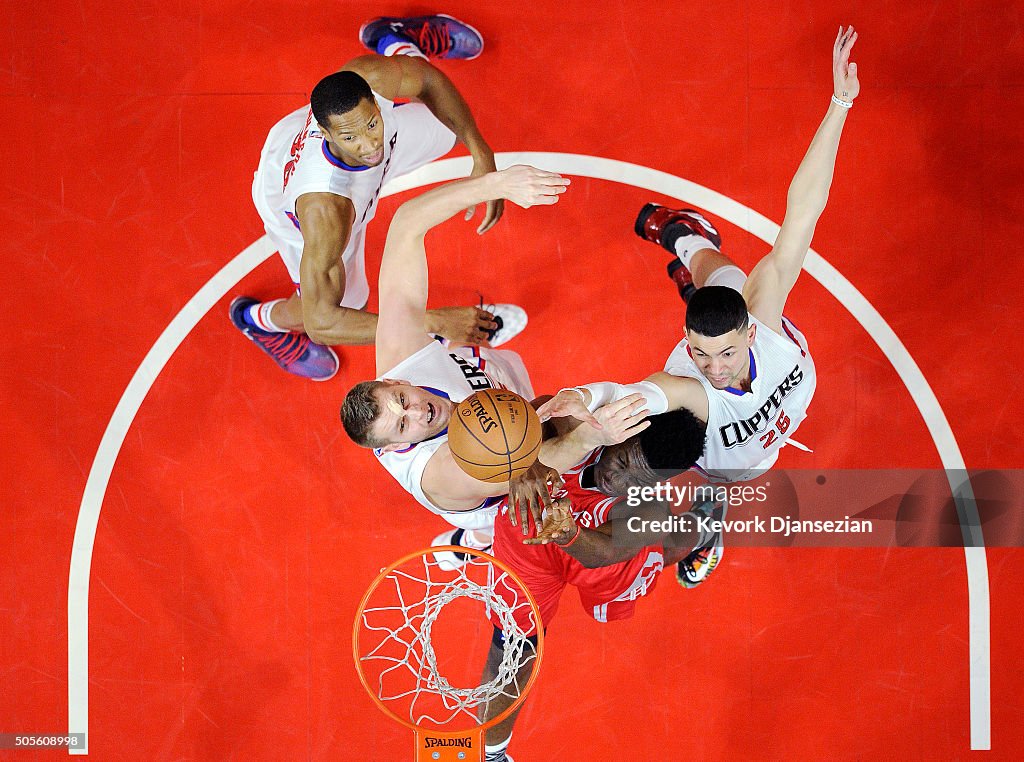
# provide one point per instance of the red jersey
(607, 593)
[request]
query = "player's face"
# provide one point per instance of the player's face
(357, 136)
(623, 466)
(724, 360)
(409, 414)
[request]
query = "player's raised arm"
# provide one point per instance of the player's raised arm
(774, 276)
(403, 270)
(414, 77)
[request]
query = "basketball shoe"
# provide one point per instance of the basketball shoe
(294, 352)
(437, 36)
(683, 279)
(663, 226)
(697, 566)
(511, 320)
(450, 560)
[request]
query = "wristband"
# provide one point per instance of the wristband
(575, 537)
(840, 102)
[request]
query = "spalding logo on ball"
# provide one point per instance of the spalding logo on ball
(494, 435)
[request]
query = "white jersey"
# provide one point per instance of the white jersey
(296, 160)
(454, 374)
(746, 430)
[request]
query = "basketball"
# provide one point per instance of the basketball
(494, 435)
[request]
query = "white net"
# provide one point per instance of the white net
(397, 651)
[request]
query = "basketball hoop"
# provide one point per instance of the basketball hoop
(399, 636)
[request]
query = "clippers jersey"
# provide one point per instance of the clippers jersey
(296, 160)
(746, 430)
(607, 593)
(454, 374)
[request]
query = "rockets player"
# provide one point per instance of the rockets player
(742, 366)
(404, 413)
(319, 179)
(575, 544)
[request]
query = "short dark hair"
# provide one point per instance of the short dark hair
(359, 411)
(338, 93)
(716, 310)
(674, 440)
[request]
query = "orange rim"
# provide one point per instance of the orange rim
(418, 554)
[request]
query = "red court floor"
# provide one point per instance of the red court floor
(240, 526)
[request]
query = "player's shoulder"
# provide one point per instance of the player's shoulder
(323, 209)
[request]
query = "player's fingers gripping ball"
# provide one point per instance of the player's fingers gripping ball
(494, 435)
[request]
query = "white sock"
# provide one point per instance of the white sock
(688, 245)
(473, 539)
(260, 315)
(403, 48)
(496, 752)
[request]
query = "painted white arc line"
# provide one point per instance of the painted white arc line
(450, 169)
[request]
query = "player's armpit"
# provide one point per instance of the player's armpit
(765, 293)
(449, 487)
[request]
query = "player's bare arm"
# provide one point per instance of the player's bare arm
(413, 77)
(403, 271)
(595, 547)
(326, 221)
(662, 392)
(770, 282)
(617, 422)
(451, 488)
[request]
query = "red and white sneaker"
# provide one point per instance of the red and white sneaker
(663, 226)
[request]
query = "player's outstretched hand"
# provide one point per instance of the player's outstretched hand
(558, 527)
(461, 325)
(620, 420)
(483, 164)
(567, 403)
(529, 494)
(844, 73)
(528, 186)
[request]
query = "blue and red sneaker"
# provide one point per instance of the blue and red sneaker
(294, 352)
(663, 226)
(438, 36)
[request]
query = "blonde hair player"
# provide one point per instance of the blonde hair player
(404, 413)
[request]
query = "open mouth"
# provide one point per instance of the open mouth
(431, 413)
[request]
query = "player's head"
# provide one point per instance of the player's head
(669, 446)
(393, 414)
(719, 334)
(344, 107)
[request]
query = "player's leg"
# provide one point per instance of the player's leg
(273, 327)
(497, 739)
(695, 566)
(695, 242)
